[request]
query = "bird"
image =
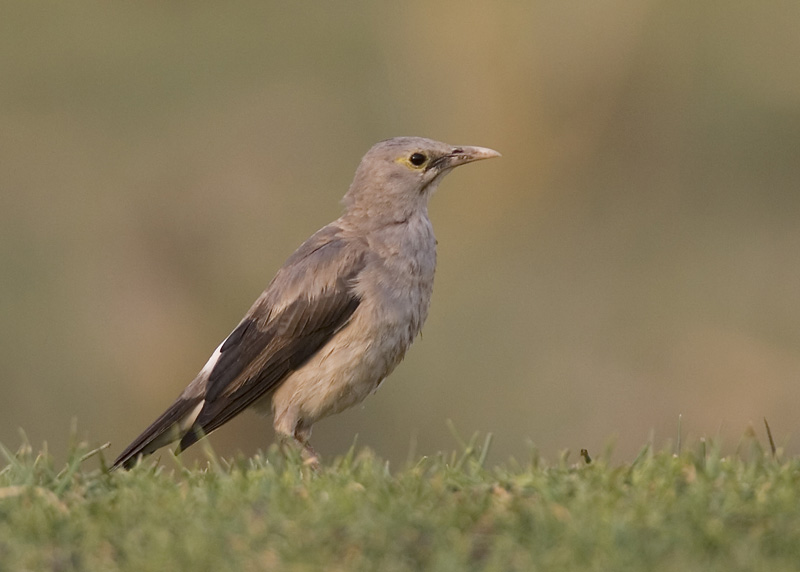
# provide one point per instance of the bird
(338, 316)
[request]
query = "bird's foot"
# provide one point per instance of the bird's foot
(310, 456)
(307, 453)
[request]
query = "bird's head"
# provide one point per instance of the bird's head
(397, 176)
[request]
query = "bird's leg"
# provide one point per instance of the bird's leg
(307, 452)
(301, 436)
(311, 457)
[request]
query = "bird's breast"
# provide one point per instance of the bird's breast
(398, 292)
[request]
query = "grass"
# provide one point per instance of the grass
(698, 510)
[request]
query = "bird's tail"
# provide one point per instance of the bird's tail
(169, 427)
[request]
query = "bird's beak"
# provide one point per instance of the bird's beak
(463, 155)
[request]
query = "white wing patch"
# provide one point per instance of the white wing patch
(212, 361)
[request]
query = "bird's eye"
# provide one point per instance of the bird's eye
(417, 159)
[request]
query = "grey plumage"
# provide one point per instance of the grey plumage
(339, 314)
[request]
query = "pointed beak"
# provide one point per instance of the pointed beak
(463, 155)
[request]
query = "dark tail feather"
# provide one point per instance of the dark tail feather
(164, 430)
(192, 436)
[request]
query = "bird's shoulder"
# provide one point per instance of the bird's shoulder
(328, 262)
(308, 301)
(332, 244)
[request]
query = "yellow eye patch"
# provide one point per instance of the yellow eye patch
(415, 160)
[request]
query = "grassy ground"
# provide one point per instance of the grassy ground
(694, 511)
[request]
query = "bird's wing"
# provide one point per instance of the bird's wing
(310, 300)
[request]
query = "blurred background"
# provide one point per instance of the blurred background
(634, 256)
